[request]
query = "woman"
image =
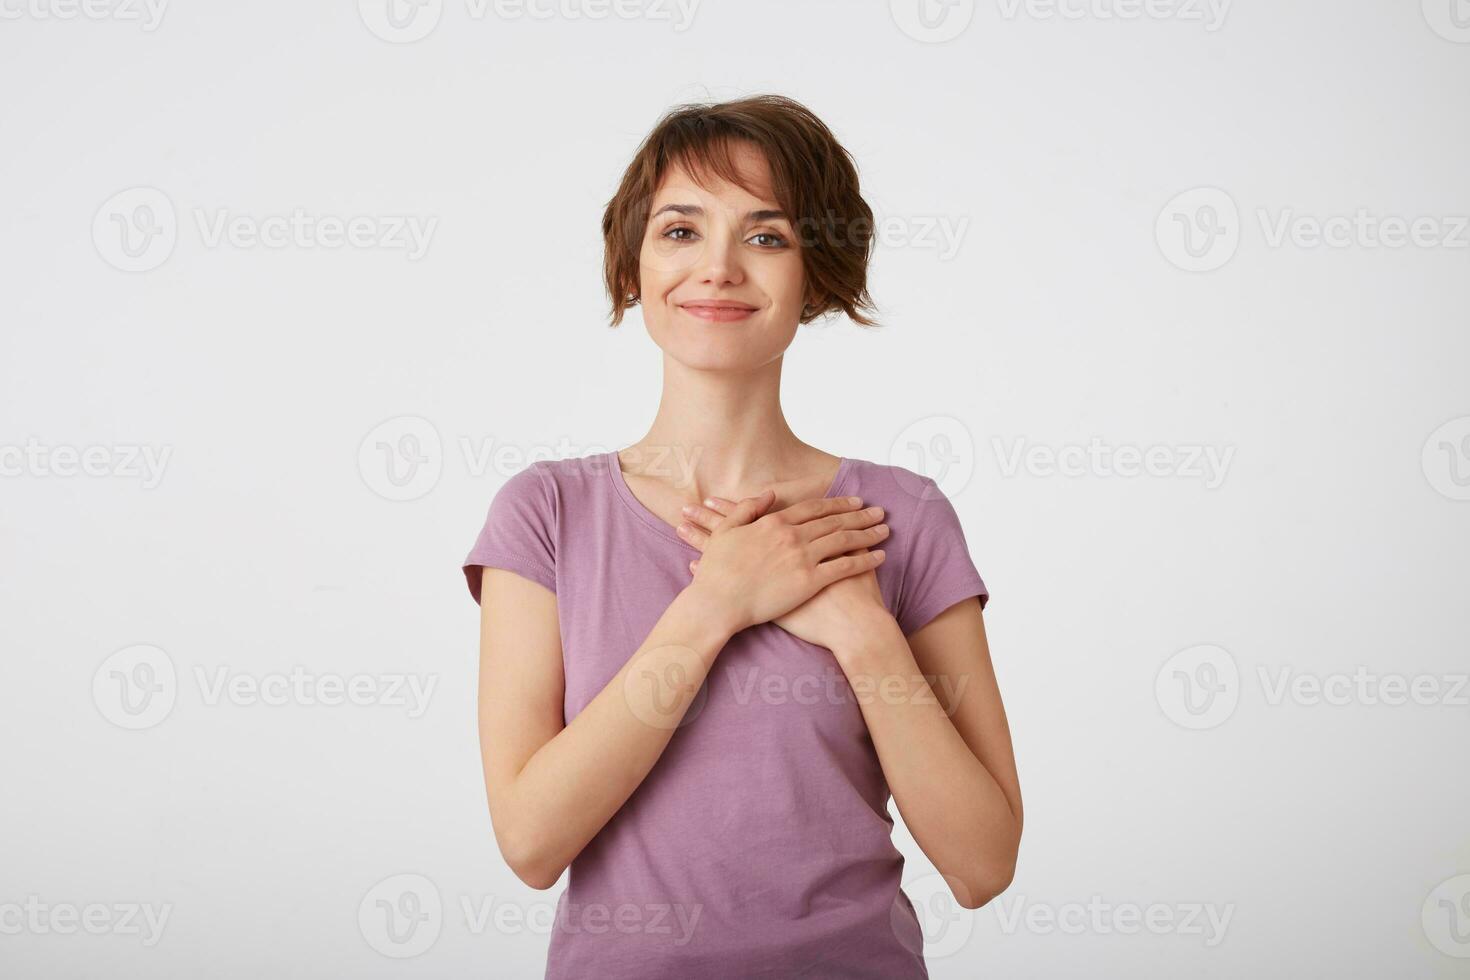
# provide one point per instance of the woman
(707, 660)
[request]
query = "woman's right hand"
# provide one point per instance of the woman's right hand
(755, 569)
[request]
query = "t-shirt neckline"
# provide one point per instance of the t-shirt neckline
(659, 526)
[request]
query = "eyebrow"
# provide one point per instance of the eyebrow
(764, 214)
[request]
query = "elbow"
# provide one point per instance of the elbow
(526, 858)
(538, 878)
(987, 878)
(982, 885)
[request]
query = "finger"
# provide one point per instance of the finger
(694, 566)
(822, 526)
(805, 510)
(747, 510)
(847, 566)
(723, 505)
(703, 517)
(694, 534)
(719, 504)
(841, 542)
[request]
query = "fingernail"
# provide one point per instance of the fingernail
(682, 528)
(687, 509)
(709, 502)
(854, 500)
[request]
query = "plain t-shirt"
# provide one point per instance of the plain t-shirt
(759, 845)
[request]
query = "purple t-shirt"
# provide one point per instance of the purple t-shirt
(760, 843)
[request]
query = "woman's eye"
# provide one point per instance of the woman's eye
(776, 241)
(673, 233)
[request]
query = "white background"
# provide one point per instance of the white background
(1058, 139)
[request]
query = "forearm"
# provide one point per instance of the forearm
(574, 784)
(953, 805)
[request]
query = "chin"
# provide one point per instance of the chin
(709, 349)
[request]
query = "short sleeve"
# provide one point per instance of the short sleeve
(938, 570)
(519, 533)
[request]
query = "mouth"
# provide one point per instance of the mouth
(718, 311)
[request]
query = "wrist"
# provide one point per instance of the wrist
(711, 612)
(873, 641)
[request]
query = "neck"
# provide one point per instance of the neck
(722, 433)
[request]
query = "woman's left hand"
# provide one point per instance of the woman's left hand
(834, 618)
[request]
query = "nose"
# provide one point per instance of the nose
(719, 260)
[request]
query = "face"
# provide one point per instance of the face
(721, 280)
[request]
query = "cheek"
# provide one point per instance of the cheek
(660, 269)
(787, 281)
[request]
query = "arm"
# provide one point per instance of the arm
(943, 743)
(552, 788)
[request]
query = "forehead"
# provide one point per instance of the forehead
(751, 167)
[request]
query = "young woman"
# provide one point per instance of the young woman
(708, 659)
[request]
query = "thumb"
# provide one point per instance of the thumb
(748, 509)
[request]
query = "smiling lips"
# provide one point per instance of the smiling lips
(717, 310)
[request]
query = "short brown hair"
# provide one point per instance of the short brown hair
(814, 179)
